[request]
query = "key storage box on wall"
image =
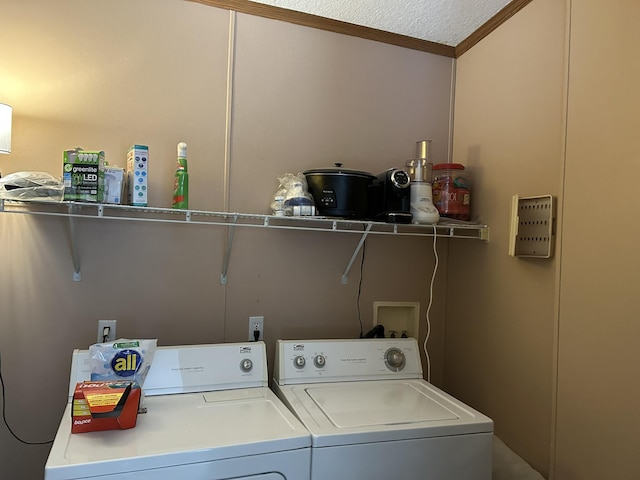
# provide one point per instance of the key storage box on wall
(532, 227)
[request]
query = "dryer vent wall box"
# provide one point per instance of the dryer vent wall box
(398, 318)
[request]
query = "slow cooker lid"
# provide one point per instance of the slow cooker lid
(338, 170)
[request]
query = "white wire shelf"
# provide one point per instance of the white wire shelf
(80, 210)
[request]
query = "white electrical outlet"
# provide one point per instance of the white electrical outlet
(256, 324)
(106, 331)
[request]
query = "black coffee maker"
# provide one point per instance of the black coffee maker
(389, 197)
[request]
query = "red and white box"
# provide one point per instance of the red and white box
(108, 405)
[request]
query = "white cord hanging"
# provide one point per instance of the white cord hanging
(428, 320)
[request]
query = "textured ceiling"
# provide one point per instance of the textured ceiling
(442, 21)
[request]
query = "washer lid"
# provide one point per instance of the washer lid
(177, 430)
(386, 404)
(377, 411)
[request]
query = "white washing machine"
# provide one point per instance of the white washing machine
(372, 416)
(210, 415)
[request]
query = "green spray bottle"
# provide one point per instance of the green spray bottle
(181, 180)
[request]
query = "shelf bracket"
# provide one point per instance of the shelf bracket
(75, 256)
(227, 253)
(355, 254)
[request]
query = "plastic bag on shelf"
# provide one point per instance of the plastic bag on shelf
(292, 197)
(31, 186)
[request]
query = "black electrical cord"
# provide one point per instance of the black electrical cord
(364, 244)
(4, 414)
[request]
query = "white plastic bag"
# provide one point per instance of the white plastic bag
(31, 186)
(122, 359)
(292, 197)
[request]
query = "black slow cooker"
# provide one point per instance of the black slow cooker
(339, 192)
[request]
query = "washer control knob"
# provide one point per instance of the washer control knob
(319, 361)
(299, 361)
(246, 365)
(395, 359)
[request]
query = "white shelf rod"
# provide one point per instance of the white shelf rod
(227, 253)
(345, 277)
(75, 256)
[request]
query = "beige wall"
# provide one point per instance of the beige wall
(304, 98)
(501, 310)
(548, 348)
(598, 419)
(107, 75)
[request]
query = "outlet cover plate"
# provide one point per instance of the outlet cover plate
(256, 323)
(102, 324)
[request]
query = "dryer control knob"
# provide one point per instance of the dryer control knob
(395, 359)
(319, 361)
(299, 361)
(246, 365)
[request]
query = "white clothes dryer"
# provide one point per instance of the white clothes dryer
(372, 416)
(210, 416)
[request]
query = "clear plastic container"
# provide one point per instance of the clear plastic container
(451, 190)
(419, 168)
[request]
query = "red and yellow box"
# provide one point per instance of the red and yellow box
(109, 405)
